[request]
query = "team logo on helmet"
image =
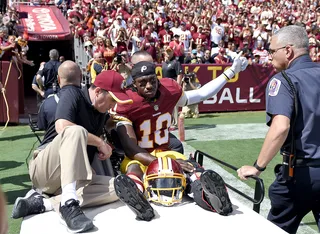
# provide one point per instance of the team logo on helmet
(164, 181)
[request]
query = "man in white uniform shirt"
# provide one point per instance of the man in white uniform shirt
(217, 33)
(185, 37)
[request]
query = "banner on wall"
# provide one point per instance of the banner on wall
(44, 23)
(245, 92)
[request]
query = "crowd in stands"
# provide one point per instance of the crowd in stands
(198, 31)
(13, 40)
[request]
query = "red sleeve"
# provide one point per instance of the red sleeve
(173, 88)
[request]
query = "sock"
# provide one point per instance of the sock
(69, 192)
(195, 176)
(137, 180)
(29, 193)
(47, 204)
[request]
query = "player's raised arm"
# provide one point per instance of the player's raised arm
(213, 87)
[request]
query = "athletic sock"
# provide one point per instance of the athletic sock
(47, 204)
(69, 192)
(137, 180)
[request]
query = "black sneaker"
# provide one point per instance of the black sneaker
(32, 203)
(215, 192)
(128, 192)
(74, 218)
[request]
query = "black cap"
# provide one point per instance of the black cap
(143, 69)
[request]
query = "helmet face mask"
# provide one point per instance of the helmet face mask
(164, 181)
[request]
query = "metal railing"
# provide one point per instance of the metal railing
(259, 190)
(82, 59)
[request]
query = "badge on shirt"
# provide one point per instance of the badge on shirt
(274, 87)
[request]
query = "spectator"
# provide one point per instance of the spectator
(217, 33)
(165, 35)
(151, 45)
(109, 52)
(215, 50)
(221, 58)
(243, 24)
(97, 66)
(192, 58)
(256, 59)
(206, 58)
(136, 40)
(100, 45)
(260, 36)
(185, 38)
(263, 53)
(199, 38)
(120, 64)
(88, 49)
(178, 48)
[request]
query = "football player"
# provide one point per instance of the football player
(143, 129)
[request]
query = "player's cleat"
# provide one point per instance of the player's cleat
(31, 204)
(215, 192)
(74, 218)
(128, 192)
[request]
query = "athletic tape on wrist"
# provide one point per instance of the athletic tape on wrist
(227, 78)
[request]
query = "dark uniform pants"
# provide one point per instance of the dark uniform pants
(292, 200)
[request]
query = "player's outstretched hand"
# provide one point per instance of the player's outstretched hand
(239, 63)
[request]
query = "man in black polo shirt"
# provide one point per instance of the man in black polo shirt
(48, 107)
(171, 68)
(64, 163)
(50, 72)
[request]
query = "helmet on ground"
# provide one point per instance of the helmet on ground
(164, 181)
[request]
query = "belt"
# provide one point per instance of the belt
(307, 162)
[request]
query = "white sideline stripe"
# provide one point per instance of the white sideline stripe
(226, 132)
(231, 129)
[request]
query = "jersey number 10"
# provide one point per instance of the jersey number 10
(161, 134)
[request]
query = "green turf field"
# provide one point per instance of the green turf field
(17, 142)
(15, 145)
(239, 152)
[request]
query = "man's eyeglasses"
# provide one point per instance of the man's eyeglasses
(272, 52)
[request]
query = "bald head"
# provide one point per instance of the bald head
(69, 74)
(140, 56)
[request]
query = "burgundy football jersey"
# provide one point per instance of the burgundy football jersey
(151, 120)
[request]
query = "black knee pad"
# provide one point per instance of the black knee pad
(175, 144)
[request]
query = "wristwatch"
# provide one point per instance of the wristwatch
(257, 167)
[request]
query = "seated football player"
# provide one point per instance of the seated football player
(144, 128)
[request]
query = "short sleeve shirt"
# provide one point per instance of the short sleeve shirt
(304, 75)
